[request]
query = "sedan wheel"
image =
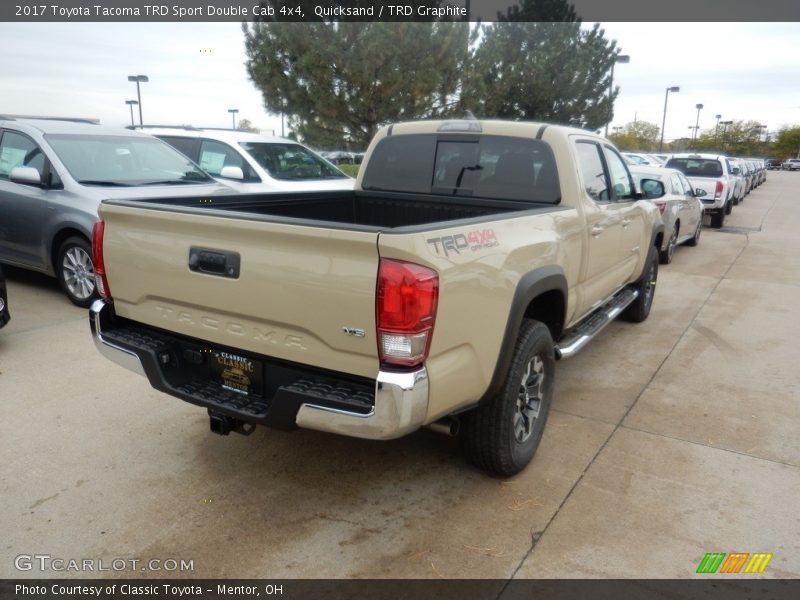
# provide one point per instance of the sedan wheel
(75, 271)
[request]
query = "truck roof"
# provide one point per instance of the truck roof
(487, 126)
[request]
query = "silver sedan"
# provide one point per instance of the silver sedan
(680, 206)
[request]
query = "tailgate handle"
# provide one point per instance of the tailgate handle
(214, 262)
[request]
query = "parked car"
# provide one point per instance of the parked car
(681, 210)
(254, 163)
(791, 164)
(54, 174)
(774, 164)
(711, 173)
(5, 316)
(740, 179)
(635, 159)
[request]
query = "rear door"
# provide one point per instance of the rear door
(295, 293)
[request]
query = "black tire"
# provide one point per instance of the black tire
(718, 219)
(75, 271)
(639, 309)
(665, 256)
(502, 435)
(696, 238)
(728, 207)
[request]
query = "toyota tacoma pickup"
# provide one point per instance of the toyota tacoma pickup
(440, 292)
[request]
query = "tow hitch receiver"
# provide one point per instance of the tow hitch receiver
(223, 424)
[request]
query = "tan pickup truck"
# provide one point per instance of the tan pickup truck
(440, 292)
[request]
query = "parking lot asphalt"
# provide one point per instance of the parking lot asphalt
(667, 440)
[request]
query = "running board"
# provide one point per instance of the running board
(576, 339)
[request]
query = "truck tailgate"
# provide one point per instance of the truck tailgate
(302, 294)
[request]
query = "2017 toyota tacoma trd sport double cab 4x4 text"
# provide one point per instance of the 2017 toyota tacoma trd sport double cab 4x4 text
(469, 258)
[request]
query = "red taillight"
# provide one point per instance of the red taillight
(718, 191)
(101, 283)
(661, 205)
(405, 308)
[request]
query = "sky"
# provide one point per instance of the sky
(745, 71)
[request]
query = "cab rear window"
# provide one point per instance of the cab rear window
(496, 167)
(696, 167)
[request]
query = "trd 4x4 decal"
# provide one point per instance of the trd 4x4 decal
(472, 240)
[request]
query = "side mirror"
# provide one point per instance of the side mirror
(735, 170)
(25, 175)
(652, 189)
(232, 173)
(699, 193)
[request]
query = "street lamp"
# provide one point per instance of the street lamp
(131, 103)
(724, 132)
(139, 79)
(622, 59)
(716, 129)
(673, 89)
(233, 112)
(699, 107)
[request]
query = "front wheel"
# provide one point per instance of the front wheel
(75, 271)
(639, 309)
(501, 436)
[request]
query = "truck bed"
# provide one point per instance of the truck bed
(366, 210)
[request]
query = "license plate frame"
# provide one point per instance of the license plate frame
(237, 373)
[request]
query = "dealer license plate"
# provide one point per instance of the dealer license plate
(237, 373)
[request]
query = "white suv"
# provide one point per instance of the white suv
(791, 164)
(254, 163)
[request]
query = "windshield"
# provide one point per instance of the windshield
(696, 167)
(124, 160)
(291, 162)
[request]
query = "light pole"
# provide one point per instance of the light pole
(622, 59)
(233, 112)
(131, 103)
(699, 107)
(716, 129)
(724, 132)
(673, 89)
(139, 79)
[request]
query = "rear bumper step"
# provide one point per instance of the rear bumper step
(574, 341)
(391, 406)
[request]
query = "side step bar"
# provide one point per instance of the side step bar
(574, 341)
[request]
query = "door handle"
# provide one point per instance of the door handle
(597, 230)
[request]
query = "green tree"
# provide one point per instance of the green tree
(739, 138)
(246, 125)
(338, 82)
(637, 135)
(549, 71)
(787, 143)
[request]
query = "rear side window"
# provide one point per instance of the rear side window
(696, 167)
(497, 167)
(214, 156)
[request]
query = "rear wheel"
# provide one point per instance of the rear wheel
(75, 271)
(665, 256)
(728, 207)
(718, 218)
(502, 435)
(639, 309)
